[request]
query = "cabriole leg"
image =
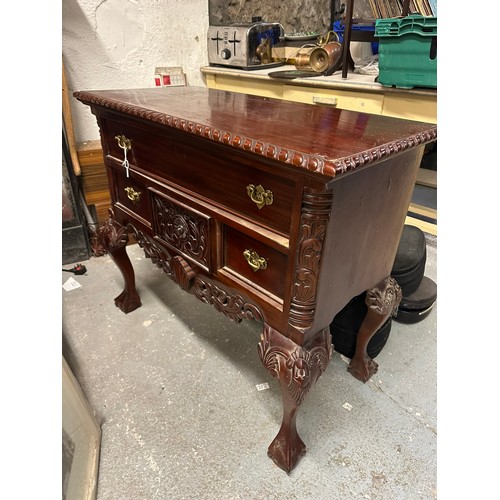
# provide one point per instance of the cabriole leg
(382, 301)
(297, 369)
(114, 238)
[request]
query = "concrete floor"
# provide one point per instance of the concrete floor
(173, 385)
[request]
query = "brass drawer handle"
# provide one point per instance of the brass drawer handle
(123, 142)
(132, 194)
(259, 195)
(254, 260)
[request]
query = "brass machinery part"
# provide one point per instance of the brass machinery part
(319, 57)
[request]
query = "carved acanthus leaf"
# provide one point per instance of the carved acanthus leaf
(112, 235)
(296, 367)
(182, 229)
(314, 221)
(385, 297)
(231, 305)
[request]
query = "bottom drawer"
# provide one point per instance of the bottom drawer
(255, 262)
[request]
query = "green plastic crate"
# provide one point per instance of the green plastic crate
(407, 51)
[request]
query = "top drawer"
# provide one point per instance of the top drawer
(227, 178)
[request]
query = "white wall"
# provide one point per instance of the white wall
(110, 44)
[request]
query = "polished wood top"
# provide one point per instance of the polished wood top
(322, 139)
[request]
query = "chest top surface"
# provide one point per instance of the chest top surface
(321, 139)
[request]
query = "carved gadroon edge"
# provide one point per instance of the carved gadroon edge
(176, 268)
(312, 162)
(385, 298)
(313, 223)
(295, 366)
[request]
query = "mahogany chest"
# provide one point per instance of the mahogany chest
(269, 210)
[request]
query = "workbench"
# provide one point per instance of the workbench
(356, 93)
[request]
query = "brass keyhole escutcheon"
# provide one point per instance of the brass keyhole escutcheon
(254, 260)
(132, 194)
(259, 195)
(123, 142)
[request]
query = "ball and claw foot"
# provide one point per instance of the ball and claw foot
(285, 453)
(128, 302)
(363, 370)
(297, 369)
(113, 237)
